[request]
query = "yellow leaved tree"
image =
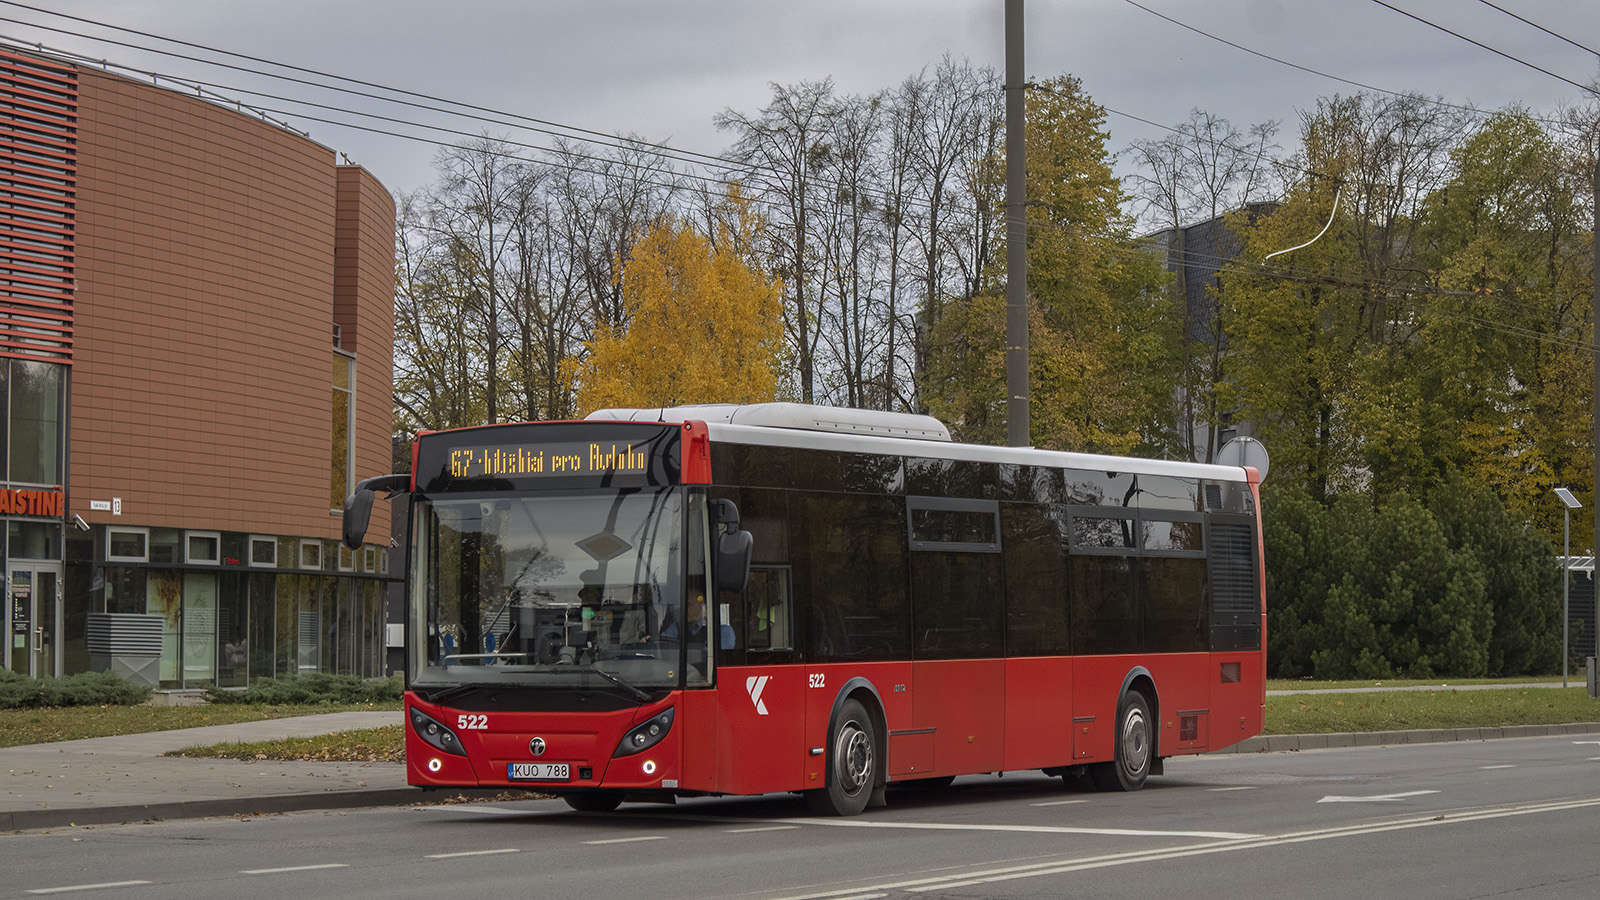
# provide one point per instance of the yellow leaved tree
(703, 323)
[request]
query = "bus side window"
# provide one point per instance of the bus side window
(769, 612)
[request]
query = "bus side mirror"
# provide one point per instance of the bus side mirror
(357, 516)
(733, 547)
(733, 560)
(358, 506)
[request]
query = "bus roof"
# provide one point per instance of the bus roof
(903, 434)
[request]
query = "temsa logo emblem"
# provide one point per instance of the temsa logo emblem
(755, 684)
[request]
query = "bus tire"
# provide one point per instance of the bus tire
(594, 801)
(1134, 747)
(852, 765)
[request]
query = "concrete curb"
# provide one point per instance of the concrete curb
(1280, 743)
(28, 819)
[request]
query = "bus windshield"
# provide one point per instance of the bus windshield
(572, 589)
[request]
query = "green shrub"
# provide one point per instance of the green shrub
(312, 689)
(83, 689)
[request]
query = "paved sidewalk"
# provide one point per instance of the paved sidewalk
(126, 779)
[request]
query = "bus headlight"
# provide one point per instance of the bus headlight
(644, 736)
(438, 736)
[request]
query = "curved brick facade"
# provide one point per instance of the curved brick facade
(216, 268)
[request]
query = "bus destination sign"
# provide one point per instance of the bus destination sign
(558, 455)
(587, 458)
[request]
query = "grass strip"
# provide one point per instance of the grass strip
(43, 726)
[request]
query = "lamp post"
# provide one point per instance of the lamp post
(1566, 574)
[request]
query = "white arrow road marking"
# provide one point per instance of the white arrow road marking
(1377, 798)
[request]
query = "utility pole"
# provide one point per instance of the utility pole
(1017, 426)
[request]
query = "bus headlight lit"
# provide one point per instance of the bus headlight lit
(649, 767)
(643, 737)
(435, 764)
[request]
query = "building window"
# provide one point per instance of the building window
(202, 548)
(32, 420)
(344, 413)
(127, 545)
(347, 559)
(369, 559)
(311, 555)
(263, 550)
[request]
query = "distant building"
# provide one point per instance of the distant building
(1196, 255)
(196, 339)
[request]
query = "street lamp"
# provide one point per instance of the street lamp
(1566, 574)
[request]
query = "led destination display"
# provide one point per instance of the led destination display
(590, 458)
(549, 455)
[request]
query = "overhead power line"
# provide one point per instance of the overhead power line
(1457, 34)
(1309, 70)
(1540, 27)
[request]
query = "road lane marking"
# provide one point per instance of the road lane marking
(1247, 787)
(1035, 870)
(1032, 870)
(470, 853)
(1375, 798)
(293, 869)
(1058, 803)
(653, 837)
(1497, 767)
(85, 887)
(764, 828)
(1027, 829)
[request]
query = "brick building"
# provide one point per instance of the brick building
(196, 338)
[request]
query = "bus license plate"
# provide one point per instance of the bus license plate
(537, 772)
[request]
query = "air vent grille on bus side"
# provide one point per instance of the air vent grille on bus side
(1235, 602)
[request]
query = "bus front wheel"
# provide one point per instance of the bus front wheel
(1134, 747)
(852, 765)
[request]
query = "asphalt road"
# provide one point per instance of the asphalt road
(1464, 820)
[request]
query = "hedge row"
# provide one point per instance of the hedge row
(84, 689)
(313, 689)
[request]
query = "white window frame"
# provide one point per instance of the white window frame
(268, 540)
(191, 560)
(118, 529)
(314, 545)
(369, 559)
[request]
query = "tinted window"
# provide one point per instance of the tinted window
(1160, 492)
(1032, 484)
(1092, 532)
(1164, 535)
(965, 525)
(1104, 613)
(850, 574)
(1099, 488)
(1178, 621)
(956, 610)
(951, 478)
(1036, 579)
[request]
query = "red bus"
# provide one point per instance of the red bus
(715, 600)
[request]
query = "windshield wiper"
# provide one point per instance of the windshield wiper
(620, 683)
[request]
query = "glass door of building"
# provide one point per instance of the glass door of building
(33, 603)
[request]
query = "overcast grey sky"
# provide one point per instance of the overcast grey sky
(662, 69)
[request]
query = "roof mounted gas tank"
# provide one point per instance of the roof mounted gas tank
(798, 416)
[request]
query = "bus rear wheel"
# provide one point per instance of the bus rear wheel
(852, 765)
(593, 801)
(1134, 748)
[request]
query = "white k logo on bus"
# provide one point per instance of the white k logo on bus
(755, 684)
